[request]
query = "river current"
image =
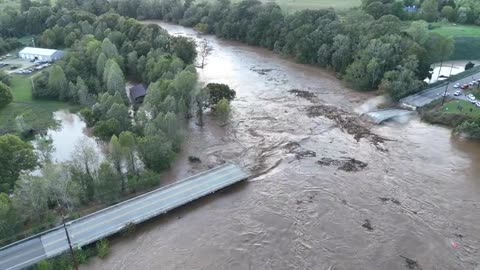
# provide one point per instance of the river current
(329, 191)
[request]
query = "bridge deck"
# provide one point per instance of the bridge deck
(108, 221)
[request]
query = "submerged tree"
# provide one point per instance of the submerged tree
(205, 50)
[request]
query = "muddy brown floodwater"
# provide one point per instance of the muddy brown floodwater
(330, 191)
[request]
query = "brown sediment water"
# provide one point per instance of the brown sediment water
(330, 191)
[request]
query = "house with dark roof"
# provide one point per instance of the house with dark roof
(137, 93)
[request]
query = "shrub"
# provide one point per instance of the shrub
(103, 248)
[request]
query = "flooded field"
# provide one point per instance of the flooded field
(330, 191)
(71, 131)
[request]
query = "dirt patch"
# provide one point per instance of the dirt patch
(411, 264)
(304, 94)
(344, 164)
(349, 123)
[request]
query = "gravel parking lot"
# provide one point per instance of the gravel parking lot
(20, 63)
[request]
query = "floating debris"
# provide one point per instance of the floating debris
(345, 164)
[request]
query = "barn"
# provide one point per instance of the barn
(137, 93)
(30, 53)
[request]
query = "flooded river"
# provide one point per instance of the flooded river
(330, 191)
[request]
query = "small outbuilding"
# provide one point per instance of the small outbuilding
(31, 53)
(137, 93)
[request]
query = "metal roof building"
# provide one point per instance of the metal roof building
(30, 53)
(137, 93)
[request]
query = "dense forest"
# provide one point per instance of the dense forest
(367, 53)
(103, 52)
(460, 11)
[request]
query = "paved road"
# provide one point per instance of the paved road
(108, 221)
(426, 97)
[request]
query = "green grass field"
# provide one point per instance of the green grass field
(9, 3)
(37, 114)
(469, 109)
(457, 30)
(467, 39)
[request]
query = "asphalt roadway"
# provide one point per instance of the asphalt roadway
(113, 219)
(426, 97)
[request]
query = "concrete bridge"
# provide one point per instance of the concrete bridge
(111, 220)
(384, 115)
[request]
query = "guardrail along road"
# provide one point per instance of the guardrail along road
(108, 221)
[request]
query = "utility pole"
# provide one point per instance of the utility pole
(33, 42)
(72, 252)
(445, 93)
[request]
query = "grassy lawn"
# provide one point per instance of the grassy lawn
(37, 114)
(467, 39)
(469, 109)
(458, 30)
(9, 3)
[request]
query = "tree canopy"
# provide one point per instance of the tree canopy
(16, 156)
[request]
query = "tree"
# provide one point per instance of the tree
(469, 65)
(61, 189)
(449, 13)
(115, 79)
(4, 77)
(376, 9)
(129, 147)
(100, 67)
(109, 183)
(184, 49)
(401, 82)
(109, 49)
(84, 166)
(222, 109)
(429, 10)
(5, 95)
(201, 27)
(30, 199)
(116, 156)
(342, 53)
(105, 129)
(156, 152)
(16, 156)
(440, 48)
(419, 32)
(219, 91)
(45, 148)
(202, 100)
(57, 83)
(205, 51)
(120, 113)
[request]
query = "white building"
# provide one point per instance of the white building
(30, 53)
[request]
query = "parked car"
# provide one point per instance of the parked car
(478, 103)
(470, 96)
(457, 85)
(464, 86)
(445, 94)
(457, 93)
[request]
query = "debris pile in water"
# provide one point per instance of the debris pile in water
(345, 164)
(349, 123)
